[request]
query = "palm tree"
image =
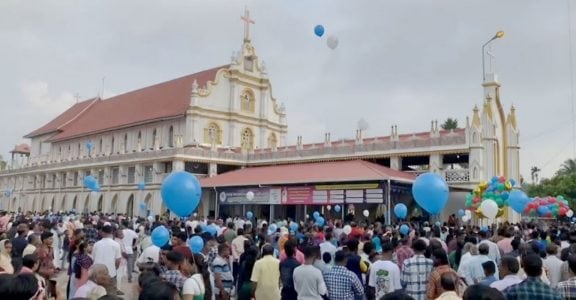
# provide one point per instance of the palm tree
(568, 167)
(450, 124)
(534, 173)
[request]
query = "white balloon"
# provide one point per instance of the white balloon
(250, 195)
(328, 207)
(465, 218)
(150, 219)
(332, 42)
(366, 213)
(489, 208)
(468, 213)
(569, 213)
(347, 229)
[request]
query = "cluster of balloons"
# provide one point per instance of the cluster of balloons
(161, 236)
(498, 190)
(91, 183)
(318, 219)
(548, 207)
(401, 211)
(181, 192)
(430, 192)
(331, 41)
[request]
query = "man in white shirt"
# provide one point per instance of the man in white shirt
(494, 251)
(107, 252)
(327, 246)
(129, 241)
(553, 264)
(508, 268)
(237, 250)
(308, 280)
(384, 274)
(476, 269)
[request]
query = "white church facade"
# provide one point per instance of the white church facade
(223, 119)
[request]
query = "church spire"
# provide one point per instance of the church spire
(512, 117)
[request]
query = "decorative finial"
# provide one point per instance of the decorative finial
(476, 117)
(195, 87)
(247, 22)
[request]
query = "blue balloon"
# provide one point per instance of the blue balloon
(141, 185)
(400, 210)
(316, 215)
(91, 183)
(320, 221)
(319, 30)
(404, 229)
(249, 215)
(181, 192)
(160, 236)
(89, 145)
(518, 200)
(196, 244)
(438, 224)
(204, 228)
(294, 226)
(337, 208)
(272, 228)
(543, 210)
(461, 213)
(212, 229)
(513, 182)
(430, 192)
(142, 205)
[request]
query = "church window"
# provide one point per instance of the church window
(171, 137)
(112, 146)
(247, 139)
(247, 102)
(79, 150)
(475, 173)
(154, 139)
(139, 141)
(213, 134)
(100, 149)
(272, 141)
(125, 142)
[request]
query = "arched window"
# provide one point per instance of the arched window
(272, 141)
(247, 139)
(247, 101)
(112, 146)
(213, 133)
(79, 150)
(125, 142)
(139, 141)
(100, 149)
(154, 139)
(171, 137)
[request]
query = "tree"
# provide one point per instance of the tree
(534, 172)
(450, 124)
(3, 163)
(567, 168)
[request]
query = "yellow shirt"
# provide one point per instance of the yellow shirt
(266, 274)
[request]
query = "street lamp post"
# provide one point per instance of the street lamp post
(498, 35)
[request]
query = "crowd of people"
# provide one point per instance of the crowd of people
(95, 256)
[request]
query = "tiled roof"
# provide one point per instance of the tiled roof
(323, 172)
(157, 102)
(22, 148)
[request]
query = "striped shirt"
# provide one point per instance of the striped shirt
(414, 277)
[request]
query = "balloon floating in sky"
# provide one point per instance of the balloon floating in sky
(332, 42)
(430, 192)
(181, 192)
(319, 30)
(400, 210)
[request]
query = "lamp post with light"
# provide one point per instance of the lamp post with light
(498, 35)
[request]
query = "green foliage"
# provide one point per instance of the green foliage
(563, 183)
(450, 124)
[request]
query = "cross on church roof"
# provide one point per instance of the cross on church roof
(247, 22)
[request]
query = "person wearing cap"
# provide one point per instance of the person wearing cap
(107, 252)
(341, 283)
(532, 287)
(384, 274)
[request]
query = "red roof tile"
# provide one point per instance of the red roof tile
(63, 119)
(340, 171)
(22, 148)
(161, 101)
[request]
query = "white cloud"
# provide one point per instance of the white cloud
(37, 95)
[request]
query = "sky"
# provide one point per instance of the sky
(397, 62)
